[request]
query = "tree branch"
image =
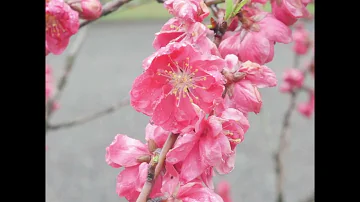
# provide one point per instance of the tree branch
(279, 164)
(70, 59)
(279, 154)
(213, 2)
(107, 9)
(155, 169)
(88, 118)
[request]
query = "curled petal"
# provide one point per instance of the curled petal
(261, 76)
(126, 183)
(193, 165)
(124, 151)
(171, 180)
(245, 97)
(207, 177)
(156, 133)
(202, 194)
(182, 147)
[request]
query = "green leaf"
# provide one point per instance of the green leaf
(229, 9)
(238, 7)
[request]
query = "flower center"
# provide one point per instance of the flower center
(232, 137)
(53, 27)
(183, 80)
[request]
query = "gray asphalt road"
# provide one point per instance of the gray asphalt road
(103, 74)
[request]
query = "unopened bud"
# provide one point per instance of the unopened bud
(238, 76)
(233, 77)
(152, 145)
(145, 158)
(87, 9)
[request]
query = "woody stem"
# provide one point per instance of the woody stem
(155, 167)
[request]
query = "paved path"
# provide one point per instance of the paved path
(103, 74)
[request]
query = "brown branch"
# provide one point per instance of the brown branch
(279, 154)
(213, 2)
(70, 59)
(155, 169)
(88, 118)
(107, 9)
(279, 164)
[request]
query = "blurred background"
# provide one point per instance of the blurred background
(103, 73)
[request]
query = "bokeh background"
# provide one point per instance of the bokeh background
(103, 73)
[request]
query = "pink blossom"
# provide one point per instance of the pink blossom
(176, 190)
(176, 78)
(127, 152)
(293, 78)
(87, 9)
(156, 133)
(196, 33)
(242, 93)
(188, 10)
(234, 124)
(302, 41)
(307, 108)
(289, 11)
(223, 189)
(130, 181)
(127, 181)
(256, 37)
(124, 152)
(207, 177)
(212, 145)
(61, 23)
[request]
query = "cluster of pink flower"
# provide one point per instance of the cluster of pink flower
(202, 92)
(294, 78)
(62, 21)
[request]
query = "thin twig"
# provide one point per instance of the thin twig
(213, 2)
(88, 118)
(279, 154)
(150, 179)
(279, 164)
(153, 173)
(70, 59)
(107, 9)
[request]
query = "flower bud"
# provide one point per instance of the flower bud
(152, 145)
(87, 9)
(145, 158)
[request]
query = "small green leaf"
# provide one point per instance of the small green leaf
(229, 9)
(238, 7)
(156, 159)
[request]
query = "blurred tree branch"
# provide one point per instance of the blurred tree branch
(107, 9)
(70, 59)
(90, 117)
(283, 142)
